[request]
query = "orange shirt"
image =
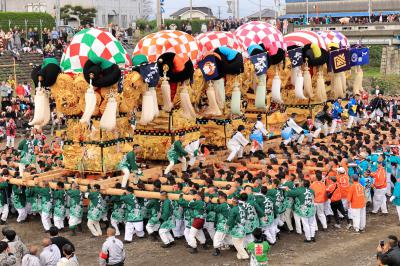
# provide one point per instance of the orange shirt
(380, 177)
(319, 189)
(356, 196)
(343, 181)
(337, 195)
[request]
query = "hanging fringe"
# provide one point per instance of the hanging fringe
(153, 92)
(38, 117)
(235, 101)
(166, 95)
(108, 120)
(213, 108)
(337, 86)
(186, 104)
(308, 90)
(46, 110)
(298, 88)
(343, 82)
(294, 75)
(358, 77)
(321, 91)
(261, 91)
(276, 87)
(219, 86)
(147, 108)
(90, 104)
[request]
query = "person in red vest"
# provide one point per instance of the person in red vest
(20, 91)
(379, 199)
(11, 131)
(356, 200)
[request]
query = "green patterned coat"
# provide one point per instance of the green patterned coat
(133, 211)
(176, 151)
(46, 199)
(75, 203)
(167, 215)
(18, 197)
(96, 208)
(118, 208)
(59, 203)
(303, 201)
(222, 214)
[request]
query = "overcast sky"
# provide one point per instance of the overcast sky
(247, 7)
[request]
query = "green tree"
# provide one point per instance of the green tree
(85, 15)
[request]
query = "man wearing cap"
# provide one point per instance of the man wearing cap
(176, 153)
(128, 165)
(356, 200)
(194, 150)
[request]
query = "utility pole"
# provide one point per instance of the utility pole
(191, 9)
(237, 6)
(369, 10)
(158, 14)
(219, 12)
(307, 12)
(259, 10)
(58, 15)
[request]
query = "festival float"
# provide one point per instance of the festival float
(173, 54)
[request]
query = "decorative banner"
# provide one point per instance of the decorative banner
(339, 60)
(359, 56)
(260, 62)
(208, 67)
(149, 73)
(296, 56)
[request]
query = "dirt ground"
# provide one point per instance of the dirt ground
(333, 247)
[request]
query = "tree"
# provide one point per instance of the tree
(147, 9)
(86, 15)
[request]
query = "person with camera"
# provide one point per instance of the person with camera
(6, 258)
(335, 195)
(388, 253)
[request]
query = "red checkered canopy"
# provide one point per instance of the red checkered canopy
(158, 43)
(304, 37)
(209, 41)
(332, 36)
(257, 32)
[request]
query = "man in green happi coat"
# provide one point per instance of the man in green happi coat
(117, 212)
(4, 208)
(59, 198)
(26, 149)
(95, 210)
(19, 201)
(236, 224)
(46, 204)
(176, 153)
(179, 229)
(305, 208)
(221, 214)
(167, 220)
(153, 224)
(209, 225)
(253, 213)
(267, 220)
(277, 196)
(32, 200)
(128, 165)
(75, 207)
(133, 216)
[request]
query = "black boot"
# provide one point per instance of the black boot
(217, 252)
(193, 250)
(205, 246)
(154, 236)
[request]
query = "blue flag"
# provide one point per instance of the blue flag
(260, 62)
(149, 73)
(359, 56)
(208, 67)
(339, 60)
(296, 57)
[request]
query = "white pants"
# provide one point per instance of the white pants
(22, 214)
(218, 239)
(10, 142)
(74, 221)
(241, 252)
(125, 178)
(59, 222)
(297, 221)
(328, 208)
(196, 234)
(4, 212)
(309, 226)
(179, 228)
(210, 228)
(192, 160)
(359, 218)
(114, 224)
(165, 235)
(186, 234)
(172, 163)
(151, 228)
(269, 232)
(319, 127)
(320, 208)
(94, 227)
(234, 150)
(379, 200)
(389, 184)
(336, 123)
(21, 168)
(287, 218)
(398, 211)
(132, 228)
(377, 113)
(46, 220)
(351, 120)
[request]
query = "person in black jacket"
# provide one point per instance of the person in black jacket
(321, 122)
(59, 241)
(377, 107)
(389, 254)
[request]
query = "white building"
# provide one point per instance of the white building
(196, 13)
(121, 12)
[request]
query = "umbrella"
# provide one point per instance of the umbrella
(209, 41)
(304, 37)
(257, 32)
(331, 36)
(93, 42)
(174, 41)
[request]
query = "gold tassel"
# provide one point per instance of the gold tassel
(186, 104)
(153, 92)
(276, 87)
(166, 92)
(308, 90)
(213, 108)
(261, 91)
(108, 120)
(321, 91)
(235, 101)
(90, 103)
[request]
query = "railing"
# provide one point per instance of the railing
(351, 27)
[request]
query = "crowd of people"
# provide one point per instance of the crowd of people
(375, 18)
(320, 184)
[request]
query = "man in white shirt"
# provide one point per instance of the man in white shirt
(31, 259)
(299, 134)
(50, 254)
(193, 149)
(237, 143)
(258, 133)
(112, 252)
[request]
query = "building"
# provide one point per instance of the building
(340, 8)
(195, 13)
(121, 12)
(265, 14)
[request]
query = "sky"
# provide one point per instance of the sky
(247, 7)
